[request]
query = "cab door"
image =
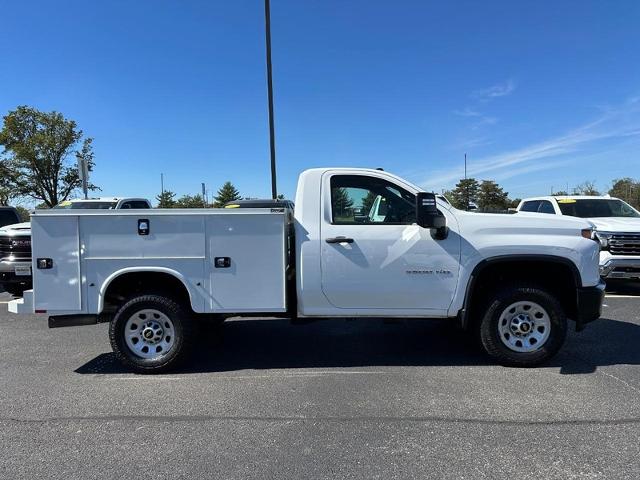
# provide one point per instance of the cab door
(374, 256)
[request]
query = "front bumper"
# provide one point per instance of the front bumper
(8, 271)
(613, 267)
(589, 304)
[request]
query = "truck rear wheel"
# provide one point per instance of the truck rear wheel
(151, 334)
(523, 326)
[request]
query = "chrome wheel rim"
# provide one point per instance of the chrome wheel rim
(524, 327)
(149, 334)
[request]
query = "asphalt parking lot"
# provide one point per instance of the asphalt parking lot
(333, 399)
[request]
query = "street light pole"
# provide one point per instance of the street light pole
(272, 141)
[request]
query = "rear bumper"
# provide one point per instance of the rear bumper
(589, 304)
(621, 267)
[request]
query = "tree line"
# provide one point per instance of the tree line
(488, 196)
(227, 193)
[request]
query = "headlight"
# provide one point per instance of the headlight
(603, 238)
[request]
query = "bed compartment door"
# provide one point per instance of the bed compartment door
(57, 288)
(246, 260)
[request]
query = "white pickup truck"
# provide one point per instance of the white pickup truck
(616, 226)
(512, 280)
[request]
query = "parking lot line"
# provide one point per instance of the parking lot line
(613, 295)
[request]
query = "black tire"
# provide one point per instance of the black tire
(182, 333)
(489, 334)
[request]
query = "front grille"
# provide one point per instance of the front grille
(16, 248)
(625, 244)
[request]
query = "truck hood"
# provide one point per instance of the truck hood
(616, 224)
(16, 229)
(541, 221)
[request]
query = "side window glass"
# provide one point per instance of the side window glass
(546, 207)
(358, 199)
(139, 204)
(531, 206)
(126, 205)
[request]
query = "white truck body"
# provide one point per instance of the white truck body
(94, 247)
(314, 264)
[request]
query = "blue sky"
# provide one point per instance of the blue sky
(539, 94)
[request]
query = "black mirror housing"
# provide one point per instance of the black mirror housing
(427, 214)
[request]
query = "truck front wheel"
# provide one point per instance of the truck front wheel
(151, 334)
(523, 326)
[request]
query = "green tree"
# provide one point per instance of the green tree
(513, 203)
(586, 188)
(190, 201)
(492, 197)
(226, 193)
(560, 193)
(448, 194)
(40, 151)
(166, 199)
(466, 191)
(626, 189)
(341, 202)
(367, 202)
(25, 216)
(6, 193)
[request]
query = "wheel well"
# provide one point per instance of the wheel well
(556, 277)
(128, 284)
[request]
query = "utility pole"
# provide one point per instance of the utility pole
(466, 187)
(465, 166)
(83, 173)
(204, 195)
(272, 144)
(161, 185)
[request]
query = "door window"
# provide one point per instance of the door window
(531, 206)
(358, 199)
(546, 207)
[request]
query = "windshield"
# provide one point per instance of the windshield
(7, 217)
(596, 207)
(87, 205)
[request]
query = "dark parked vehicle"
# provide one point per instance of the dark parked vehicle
(260, 203)
(15, 247)
(8, 216)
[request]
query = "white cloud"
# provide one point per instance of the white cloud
(468, 112)
(495, 91)
(481, 118)
(483, 96)
(614, 124)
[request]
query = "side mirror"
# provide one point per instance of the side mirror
(428, 216)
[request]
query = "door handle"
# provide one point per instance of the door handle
(339, 240)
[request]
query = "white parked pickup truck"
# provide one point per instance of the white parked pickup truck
(512, 280)
(616, 226)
